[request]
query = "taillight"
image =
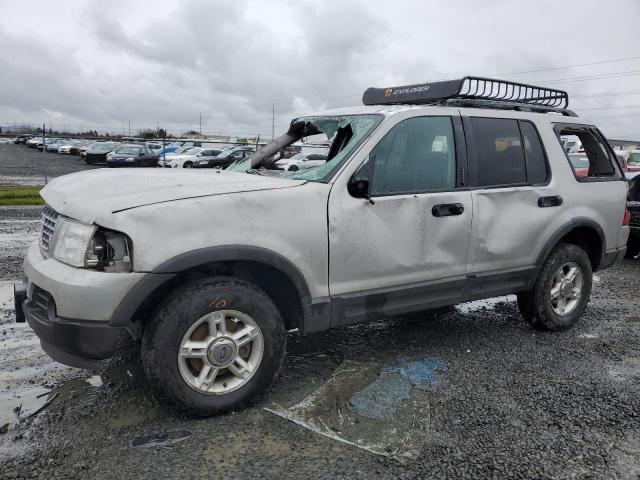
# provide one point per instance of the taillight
(626, 220)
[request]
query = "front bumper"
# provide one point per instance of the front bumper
(78, 343)
(71, 309)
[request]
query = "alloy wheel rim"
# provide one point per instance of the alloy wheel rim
(566, 288)
(220, 352)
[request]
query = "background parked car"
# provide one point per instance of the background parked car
(21, 139)
(57, 143)
(82, 149)
(301, 161)
(580, 164)
(225, 158)
(66, 148)
(168, 149)
(633, 161)
(98, 152)
(185, 159)
(131, 156)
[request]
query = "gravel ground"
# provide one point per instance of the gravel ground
(510, 403)
(28, 166)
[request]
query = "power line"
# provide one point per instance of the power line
(548, 69)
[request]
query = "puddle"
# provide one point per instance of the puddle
(164, 439)
(384, 411)
(24, 404)
(485, 304)
(381, 398)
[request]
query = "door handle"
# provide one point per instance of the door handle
(447, 209)
(550, 201)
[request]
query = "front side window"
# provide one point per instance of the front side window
(416, 155)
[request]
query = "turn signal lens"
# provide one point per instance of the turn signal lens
(626, 220)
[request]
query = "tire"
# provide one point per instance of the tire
(294, 168)
(180, 313)
(633, 246)
(537, 306)
(187, 165)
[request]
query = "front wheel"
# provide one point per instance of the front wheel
(214, 345)
(187, 165)
(561, 291)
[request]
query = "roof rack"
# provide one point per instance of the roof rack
(473, 91)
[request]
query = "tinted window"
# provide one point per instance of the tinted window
(534, 153)
(417, 155)
(499, 154)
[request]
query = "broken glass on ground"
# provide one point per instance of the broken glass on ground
(382, 410)
(163, 439)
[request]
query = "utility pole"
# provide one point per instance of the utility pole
(273, 121)
(44, 152)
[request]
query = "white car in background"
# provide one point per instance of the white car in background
(302, 161)
(66, 148)
(188, 158)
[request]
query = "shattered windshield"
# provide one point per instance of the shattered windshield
(341, 134)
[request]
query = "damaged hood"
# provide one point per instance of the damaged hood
(85, 196)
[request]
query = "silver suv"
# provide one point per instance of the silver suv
(431, 195)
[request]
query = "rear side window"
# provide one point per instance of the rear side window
(499, 153)
(536, 160)
(587, 154)
(508, 152)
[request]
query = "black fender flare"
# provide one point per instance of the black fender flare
(167, 271)
(564, 230)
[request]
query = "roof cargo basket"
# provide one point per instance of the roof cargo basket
(471, 91)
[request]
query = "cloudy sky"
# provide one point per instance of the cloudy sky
(102, 64)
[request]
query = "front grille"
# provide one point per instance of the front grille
(43, 305)
(49, 219)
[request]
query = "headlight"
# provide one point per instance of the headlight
(81, 245)
(71, 240)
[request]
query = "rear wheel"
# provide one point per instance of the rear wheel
(214, 345)
(561, 291)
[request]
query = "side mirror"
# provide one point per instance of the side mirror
(359, 185)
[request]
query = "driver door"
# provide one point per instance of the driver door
(405, 248)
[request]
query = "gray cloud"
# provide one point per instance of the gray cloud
(117, 62)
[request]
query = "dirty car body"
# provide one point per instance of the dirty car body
(371, 232)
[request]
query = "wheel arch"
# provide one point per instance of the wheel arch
(584, 232)
(277, 276)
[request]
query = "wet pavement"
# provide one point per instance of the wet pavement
(20, 165)
(469, 393)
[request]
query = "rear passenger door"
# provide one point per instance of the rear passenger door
(512, 201)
